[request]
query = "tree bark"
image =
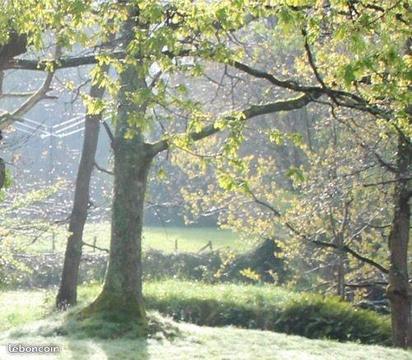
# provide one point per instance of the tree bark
(399, 291)
(121, 297)
(67, 295)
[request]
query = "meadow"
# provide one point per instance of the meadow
(168, 239)
(26, 317)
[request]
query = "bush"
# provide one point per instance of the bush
(320, 317)
(269, 308)
(45, 269)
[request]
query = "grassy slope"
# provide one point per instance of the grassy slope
(188, 239)
(208, 343)
(20, 309)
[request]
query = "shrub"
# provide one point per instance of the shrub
(45, 269)
(328, 317)
(269, 308)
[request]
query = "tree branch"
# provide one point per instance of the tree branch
(109, 133)
(324, 244)
(253, 111)
(103, 169)
(347, 99)
(59, 63)
(348, 250)
(8, 118)
(386, 182)
(24, 95)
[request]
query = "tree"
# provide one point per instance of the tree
(53, 24)
(358, 49)
(377, 67)
(350, 51)
(67, 294)
(133, 156)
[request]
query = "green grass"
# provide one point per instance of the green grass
(19, 307)
(267, 307)
(248, 306)
(161, 238)
(198, 342)
(193, 342)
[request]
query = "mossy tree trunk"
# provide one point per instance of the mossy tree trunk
(121, 297)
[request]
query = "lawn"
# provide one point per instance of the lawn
(161, 238)
(197, 342)
(25, 315)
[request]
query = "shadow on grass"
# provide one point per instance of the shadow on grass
(99, 337)
(136, 349)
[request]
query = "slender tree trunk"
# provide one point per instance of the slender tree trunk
(341, 268)
(67, 295)
(398, 291)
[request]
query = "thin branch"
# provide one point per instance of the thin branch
(35, 98)
(155, 80)
(103, 169)
(24, 94)
(387, 181)
(348, 250)
(109, 133)
(311, 61)
(382, 162)
(345, 216)
(323, 244)
(366, 285)
(341, 98)
(8, 118)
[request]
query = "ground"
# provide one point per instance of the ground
(207, 343)
(25, 315)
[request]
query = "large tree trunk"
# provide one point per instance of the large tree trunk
(398, 291)
(67, 295)
(121, 297)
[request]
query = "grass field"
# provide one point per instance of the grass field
(161, 238)
(197, 342)
(25, 316)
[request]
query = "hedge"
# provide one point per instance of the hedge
(267, 307)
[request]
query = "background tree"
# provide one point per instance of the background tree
(357, 51)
